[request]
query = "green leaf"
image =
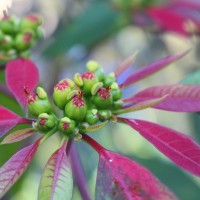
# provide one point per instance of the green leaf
(97, 21)
(57, 181)
(18, 135)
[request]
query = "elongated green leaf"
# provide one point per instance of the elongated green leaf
(141, 105)
(92, 25)
(11, 171)
(57, 181)
(18, 135)
(96, 127)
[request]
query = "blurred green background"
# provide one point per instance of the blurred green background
(79, 30)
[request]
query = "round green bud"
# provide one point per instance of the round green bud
(8, 25)
(67, 126)
(31, 21)
(118, 104)
(108, 80)
(89, 79)
(7, 42)
(1, 35)
(46, 122)
(92, 116)
(23, 41)
(78, 80)
(38, 106)
(61, 92)
(104, 115)
(103, 99)
(41, 93)
(76, 109)
(39, 34)
(93, 66)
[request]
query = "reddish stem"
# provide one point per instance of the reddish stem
(26, 121)
(99, 149)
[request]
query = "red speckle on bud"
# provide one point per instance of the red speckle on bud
(78, 100)
(33, 18)
(32, 97)
(62, 85)
(65, 126)
(88, 75)
(42, 122)
(104, 93)
(27, 37)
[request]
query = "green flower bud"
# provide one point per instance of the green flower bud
(82, 127)
(39, 34)
(61, 92)
(7, 42)
(118, 104)
(96, 87)
(41, 93)
(116, 92)
(93, 66)
(92, 116)
(8, 25)
(78, 79)
(67, 126)
(104, 115)
(38, 106)
(1, 35)
(89, 79)
(76, 109)
(108, 80)
(23, 41)
(31, 21)
(46, 122)
(103, 99)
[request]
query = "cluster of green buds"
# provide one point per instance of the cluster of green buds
(87, 103)
(18, 36)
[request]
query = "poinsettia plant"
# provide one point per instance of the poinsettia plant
(89, 102)
(177, 16)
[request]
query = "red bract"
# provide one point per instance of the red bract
(178, 147)
(176, 16)
(22, 78)
(121, 178)
(11, 171)
(180, 98)
(9, 120)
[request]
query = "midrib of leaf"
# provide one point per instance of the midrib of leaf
(18, 170)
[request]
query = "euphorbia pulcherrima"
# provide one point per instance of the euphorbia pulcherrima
(178, 16)
(88, 102)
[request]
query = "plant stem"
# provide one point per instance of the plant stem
(79, 173)
(93, 144)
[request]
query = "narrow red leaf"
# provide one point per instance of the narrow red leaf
(22, 77)
(151, 69)
(9, 120)
(120, 178)
(140, 105)
(168, 20)
(180, 148)
(181, 98)
(125, 64)
(12, 170)
(18, 135)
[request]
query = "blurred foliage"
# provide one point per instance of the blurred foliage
(97, 21)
